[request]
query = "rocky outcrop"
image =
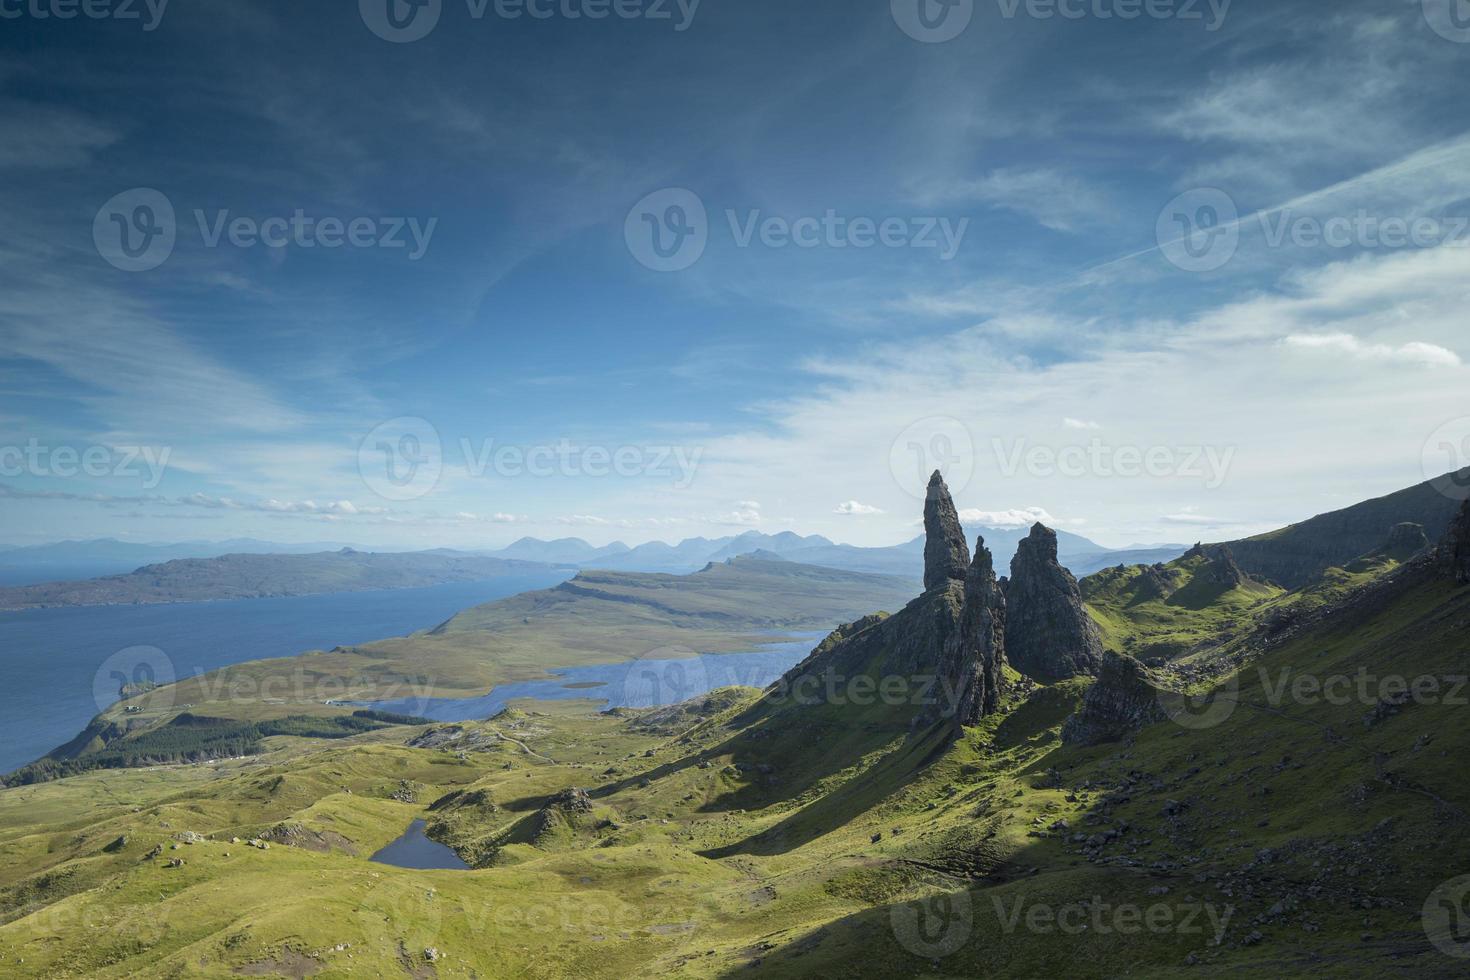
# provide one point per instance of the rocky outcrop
(947, 646)
(1048, 633)
(572, 800)
(1221, 568)
(1456, 547)
(1405, 541)
(974, 657)
(1299, 555)
(1122, 700)
(946, 556)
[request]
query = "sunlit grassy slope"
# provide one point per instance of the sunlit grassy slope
(1290, 838)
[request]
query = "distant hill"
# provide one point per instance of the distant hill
(245, 576)
(1298, 555)
(133, 554)
(563, 551)
(1080, 555)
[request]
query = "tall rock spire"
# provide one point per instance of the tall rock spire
(1049, 634)
(974, 658)
(946, 556)
(1456, 547)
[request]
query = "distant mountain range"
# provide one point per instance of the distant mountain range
(1081, 556)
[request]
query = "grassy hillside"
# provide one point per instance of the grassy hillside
(1272, 833)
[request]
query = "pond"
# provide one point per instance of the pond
(415, 850)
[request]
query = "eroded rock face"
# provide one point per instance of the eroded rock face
(946, 556)
(974, 657)
(1123, 700)
(1457, 546)
(1222, 568)
(946, 648)
(1048, 633)
(1405, 541)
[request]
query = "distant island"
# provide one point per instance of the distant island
(254, 576)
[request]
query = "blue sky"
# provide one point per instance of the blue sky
(490, 355)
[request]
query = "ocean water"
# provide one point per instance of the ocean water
(53, 659)
(635, 684)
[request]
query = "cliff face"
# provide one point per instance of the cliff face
(946, 556)
(1222, 568)
(1048, 633)
(974, 656)
(1456, 548)
(1123, 700)
(1298, 555)
(946, 648)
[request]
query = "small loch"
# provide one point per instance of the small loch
(415, 850)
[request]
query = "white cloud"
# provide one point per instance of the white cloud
(1072, 423)
(1413, 352)
(747, 513)
(1056, 199)
(1023, 517)
(854, 509)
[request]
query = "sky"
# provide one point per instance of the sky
(455, 272)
